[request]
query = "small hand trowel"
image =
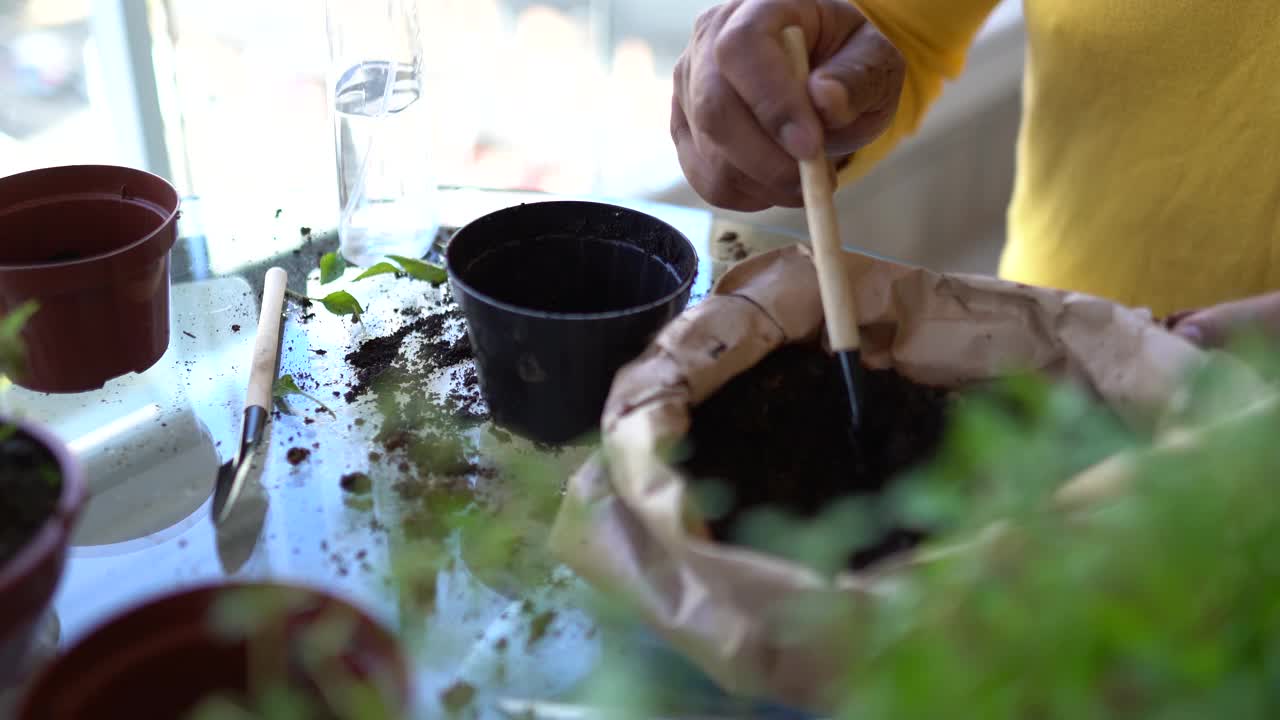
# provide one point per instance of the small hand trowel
(838, 303)
(257, 406)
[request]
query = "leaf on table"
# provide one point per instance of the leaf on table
(332, 265)
(13, 351)
(382, 268)
(286, 386)
(421, 270)
(342, 303)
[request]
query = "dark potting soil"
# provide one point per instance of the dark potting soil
(424, 395)
(457, 697)
(539, 625)
(381, 366)
(443, 353)
(376, 356)
(730, 247)
(778, 436)
(356, 483)
(29, 489)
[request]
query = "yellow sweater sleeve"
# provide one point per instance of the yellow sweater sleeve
(934, 37)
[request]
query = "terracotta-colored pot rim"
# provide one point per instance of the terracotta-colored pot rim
(168, 209)
(55, 534)
(191, 632)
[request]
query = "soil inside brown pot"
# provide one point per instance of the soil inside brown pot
(778, 436)
(30, 486)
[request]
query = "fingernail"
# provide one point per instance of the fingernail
(1191, 333)
(798, 141)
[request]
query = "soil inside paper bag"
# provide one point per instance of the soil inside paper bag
(778, 436)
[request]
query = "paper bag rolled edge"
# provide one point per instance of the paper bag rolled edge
(944, 329)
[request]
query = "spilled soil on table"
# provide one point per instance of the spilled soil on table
(777, 437)
(377, 355)
(433, 450)
(30, 486)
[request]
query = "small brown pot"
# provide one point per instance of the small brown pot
(162, 659)
(29, 579)
(90, 245)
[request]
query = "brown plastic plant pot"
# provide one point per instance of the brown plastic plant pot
(167, 657)
(29, 579)
(90, 245)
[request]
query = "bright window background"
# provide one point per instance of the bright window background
(228, 97)
(244, 98)
(532, 95)
(560, 95)
(46, 60)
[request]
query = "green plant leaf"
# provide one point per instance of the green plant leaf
(332, 265)
(420, 270)
(286, 386)
(13, 352)
(13, 323)
(342, 303)
(382, 268)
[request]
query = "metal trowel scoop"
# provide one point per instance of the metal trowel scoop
(266, 352)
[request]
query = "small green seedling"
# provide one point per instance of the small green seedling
(286, 386)
(338, 303)
(12, 349)
(342, 303)
(382, 268)
(416, 269)
(420, 270)
(332, 265)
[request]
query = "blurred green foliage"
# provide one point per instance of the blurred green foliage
(13, 351)
(1163, 602)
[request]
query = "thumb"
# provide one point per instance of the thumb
(864, 76)
(1215, 326)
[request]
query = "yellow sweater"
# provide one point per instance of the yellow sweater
(1149, 154)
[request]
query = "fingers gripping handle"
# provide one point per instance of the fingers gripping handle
(838, 303)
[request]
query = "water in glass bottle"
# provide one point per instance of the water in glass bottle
(386, 188)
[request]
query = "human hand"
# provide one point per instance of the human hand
(1214, 326)
(740, 120)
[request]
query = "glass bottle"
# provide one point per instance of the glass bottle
(387, 187)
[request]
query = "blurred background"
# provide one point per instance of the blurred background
(228, 100)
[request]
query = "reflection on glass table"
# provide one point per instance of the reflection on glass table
(342, 497)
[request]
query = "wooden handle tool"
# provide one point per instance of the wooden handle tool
(839, 305)
(266, 346)
(257, 407)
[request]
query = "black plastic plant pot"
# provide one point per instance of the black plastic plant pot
(558, 296)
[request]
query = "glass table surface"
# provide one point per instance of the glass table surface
(151, 444)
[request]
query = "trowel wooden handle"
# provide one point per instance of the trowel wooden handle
(266, 345)
(838, 302)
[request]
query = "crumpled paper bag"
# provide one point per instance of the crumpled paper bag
(627, 524)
